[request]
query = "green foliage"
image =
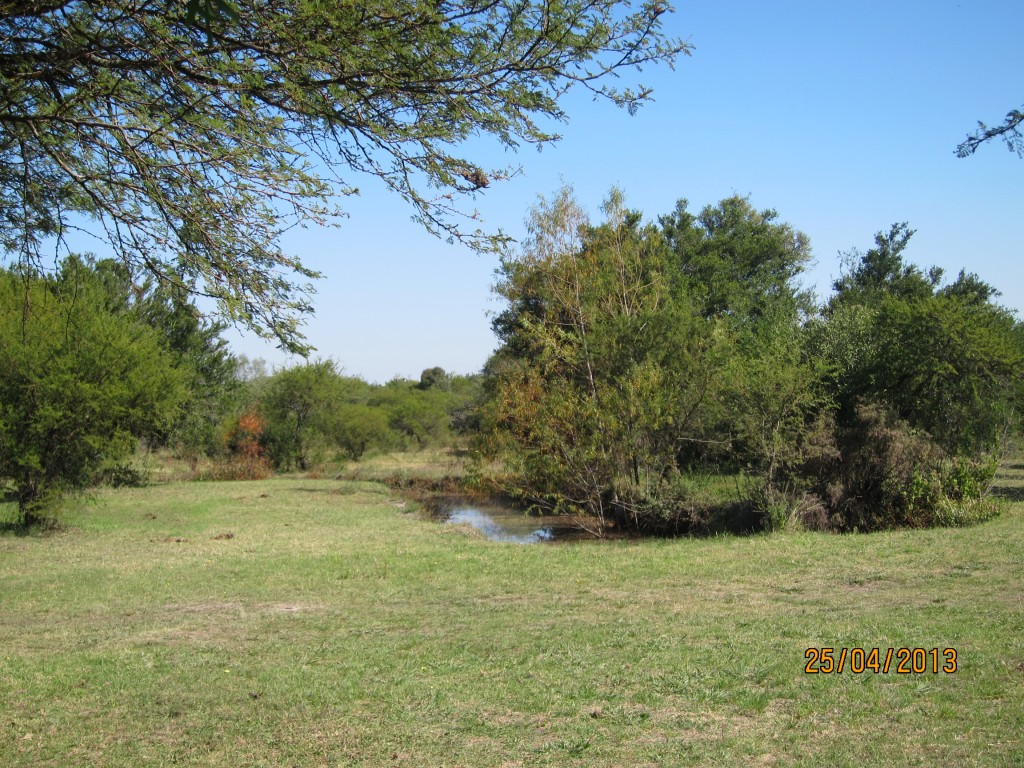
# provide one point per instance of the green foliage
(947, 493)
(960, 514)
(313, 413)
(882, 272)
(124, 475)
(417, 417)
(632, 355)
(632, 352)
(952, 368)
(783, 509)
(886, 474)
(603, 373)
(198, 349)
(80, 382)
(195, 346)
(867, 480)
(196, 133)
(434, 377)
(773, 391)
(359, 428)
(300, 406)
(466, 404)
(928, 385)
(947, 360)
(736, 261)
(844, 343)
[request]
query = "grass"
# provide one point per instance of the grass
(334, 628)
(428, 464)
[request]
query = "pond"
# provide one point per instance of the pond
(507, 524)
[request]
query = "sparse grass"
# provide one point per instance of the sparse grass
(334, 629)
(429, 464)
(162, 466)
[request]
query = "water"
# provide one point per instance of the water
(503, 523)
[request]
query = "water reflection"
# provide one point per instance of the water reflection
(498, 524)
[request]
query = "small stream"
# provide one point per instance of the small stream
(507, 524)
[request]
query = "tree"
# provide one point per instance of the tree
(739, 266)
(434, 377)
(196, 346)
(195, 134)
(882, 272)
(413, 413)
(300, 406)
(773, 390)
(80, 382)
(1009, 132)
(944, 359)
(633, 354)
(951, 367)
(358, 428)
(737, 261)
(603, 373)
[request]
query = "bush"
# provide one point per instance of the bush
(959, 514)
(80, 383)
(124, 476)
(239, 468)
(246, 460)
(359, 428)
(964, 479)
(883, 474)
(785, 509)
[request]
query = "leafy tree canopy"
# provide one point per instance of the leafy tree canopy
(632, 354)
(868, 277)
(194, 343)
(197, 133)
(604, 374)
(299, 404)
(735, 259)
(945, 359)
(951, 367)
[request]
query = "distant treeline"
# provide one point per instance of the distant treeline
(307, 414)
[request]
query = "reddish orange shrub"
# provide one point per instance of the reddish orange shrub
(247, 460)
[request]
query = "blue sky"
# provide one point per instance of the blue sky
(842, 117)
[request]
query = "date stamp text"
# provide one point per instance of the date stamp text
(901, 661)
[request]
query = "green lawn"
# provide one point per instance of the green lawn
(334, 628)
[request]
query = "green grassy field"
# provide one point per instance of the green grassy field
(332, 627)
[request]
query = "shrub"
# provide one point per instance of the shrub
(124, 476)
(785, 509)
(80, 383)
(359, 428)
(883, 474)
(958, 514)
(246, 460)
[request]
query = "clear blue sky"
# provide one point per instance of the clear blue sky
(841, 116)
